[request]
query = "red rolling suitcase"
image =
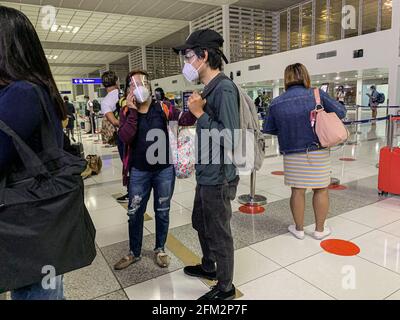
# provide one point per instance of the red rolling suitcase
(389, 164)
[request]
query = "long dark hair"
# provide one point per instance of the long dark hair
(22, 56)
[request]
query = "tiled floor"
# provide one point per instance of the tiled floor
(282, 285)
(347, 277)
(172, 286)
(269, 263)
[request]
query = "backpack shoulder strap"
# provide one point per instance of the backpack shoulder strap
(166, 110)
(213, 85)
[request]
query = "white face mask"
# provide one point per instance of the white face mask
(142, 94)
(191, 73)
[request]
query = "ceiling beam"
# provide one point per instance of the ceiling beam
(86, 47)
(212, 2)
(77, 65)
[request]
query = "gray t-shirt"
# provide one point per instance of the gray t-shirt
(373, 97)
(222, 112)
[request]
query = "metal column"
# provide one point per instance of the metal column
(226, 31)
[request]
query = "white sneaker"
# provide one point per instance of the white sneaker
(298, 234)
(322, 235)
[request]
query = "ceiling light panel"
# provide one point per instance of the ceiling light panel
(71, 70)
(84, 57)
(101, 28)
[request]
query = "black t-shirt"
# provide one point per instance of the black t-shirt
(70, 109)
(154, 119)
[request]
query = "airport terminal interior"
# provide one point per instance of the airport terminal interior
(353, 44)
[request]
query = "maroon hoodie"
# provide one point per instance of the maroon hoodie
(129, 124)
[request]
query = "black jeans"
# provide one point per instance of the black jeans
(92, 120)
(212, 214)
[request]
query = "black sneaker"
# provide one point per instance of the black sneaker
(217, 294)
(197, 271)
(123, 199)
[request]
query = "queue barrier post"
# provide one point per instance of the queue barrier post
(356, 131)
(335, 182)
(359, 117)
(252, 203)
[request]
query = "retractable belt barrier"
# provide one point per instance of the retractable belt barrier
(349, 123)
(378, 107)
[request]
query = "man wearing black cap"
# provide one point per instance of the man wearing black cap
(217, 110)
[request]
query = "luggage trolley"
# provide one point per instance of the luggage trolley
(389, 162)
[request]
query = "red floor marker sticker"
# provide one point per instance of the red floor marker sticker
(278, 173)
(340, 247)
(347, 159)
(338, 187)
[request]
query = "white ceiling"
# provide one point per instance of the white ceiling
(271, 5)
(97, 29)
(168, 9)
(83, 57)
(213, 2)
(71, 71)
(102, 28)
(119, 24)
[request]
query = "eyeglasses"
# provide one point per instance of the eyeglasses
(188, 56)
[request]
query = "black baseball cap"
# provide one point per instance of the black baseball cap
(205, 39)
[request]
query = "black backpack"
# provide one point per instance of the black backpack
(380, 98)
(43, 218)
(96, 106)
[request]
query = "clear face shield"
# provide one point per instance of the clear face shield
(187, 57)
(140, 86)
(138, 80)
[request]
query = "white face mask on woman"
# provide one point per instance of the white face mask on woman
(141, 93)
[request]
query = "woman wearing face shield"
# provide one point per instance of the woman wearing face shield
(144, 132)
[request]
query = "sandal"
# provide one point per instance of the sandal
(162, 259)
(125, 262)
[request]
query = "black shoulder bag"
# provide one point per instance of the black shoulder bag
(43, 219)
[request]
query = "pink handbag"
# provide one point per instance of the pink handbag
(329, 129)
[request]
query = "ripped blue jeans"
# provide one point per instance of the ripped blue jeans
(141, 184)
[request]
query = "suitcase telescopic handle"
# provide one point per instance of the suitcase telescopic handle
(390, 131)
